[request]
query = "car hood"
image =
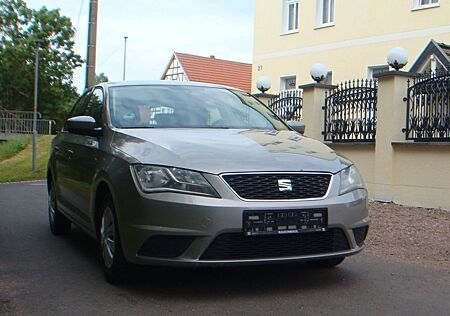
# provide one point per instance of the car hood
(227, 150)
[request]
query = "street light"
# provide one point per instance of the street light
(124, 56)
(263, 84)
(397, 58)
(318, 72)
(36, 82)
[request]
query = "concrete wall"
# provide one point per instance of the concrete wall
(408, 173)
(421, 175)
(363, 33)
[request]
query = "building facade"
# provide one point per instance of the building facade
(351, 37)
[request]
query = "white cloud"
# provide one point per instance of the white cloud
(155, 29)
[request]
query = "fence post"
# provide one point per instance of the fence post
(391, 119)
(312, 113)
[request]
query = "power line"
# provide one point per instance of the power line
(110, 55)
(79, 16)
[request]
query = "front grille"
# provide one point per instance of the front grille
(360, 234)
(266, 186)
(235, 246)
(165, 246)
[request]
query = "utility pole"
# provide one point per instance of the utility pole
(92, 44)
(36, 93)
(124, 56)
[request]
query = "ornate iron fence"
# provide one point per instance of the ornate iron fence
(428, 108)
(350, 112)
(288, 105)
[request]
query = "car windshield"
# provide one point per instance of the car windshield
(178, 106)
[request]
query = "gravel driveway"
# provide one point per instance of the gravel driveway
(413, 234)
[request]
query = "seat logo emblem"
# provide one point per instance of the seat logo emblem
(284, 185)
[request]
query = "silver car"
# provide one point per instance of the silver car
(196, 174)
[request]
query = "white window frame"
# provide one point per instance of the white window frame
(285, 16)
(370, 69)
(320, 23)
(420, 5)
(283, 80)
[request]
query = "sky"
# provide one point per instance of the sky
(156, 28)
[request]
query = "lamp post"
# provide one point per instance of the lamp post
(397, 58)
(318, 72)
(263, 84)
(124, 56)
(36, 86)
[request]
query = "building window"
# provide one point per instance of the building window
(427, 2)
(325, 12)
(377, 69)
(290, 16)
(423, 4)
(288, 83)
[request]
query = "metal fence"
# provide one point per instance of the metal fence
(288, 105)
(21, 122)
(428, 108)
(19, 115)
(350, 112)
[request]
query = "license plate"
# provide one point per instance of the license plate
(284, 222)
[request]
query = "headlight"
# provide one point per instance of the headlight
(159, 179)
(350, 180)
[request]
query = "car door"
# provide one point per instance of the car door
(86, 157)
(64, 154)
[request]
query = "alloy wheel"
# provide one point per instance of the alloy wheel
(107, 232)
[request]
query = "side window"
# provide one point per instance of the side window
(95, 107)
(80, 106)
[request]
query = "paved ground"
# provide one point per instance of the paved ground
(45, 275)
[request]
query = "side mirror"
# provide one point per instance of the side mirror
(83, 125)
(299, 127)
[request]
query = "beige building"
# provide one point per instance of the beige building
(351, 37)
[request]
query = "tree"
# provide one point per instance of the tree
(101, 78)
(20, 27)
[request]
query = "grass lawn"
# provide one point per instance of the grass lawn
(13, 147)
(19, 167)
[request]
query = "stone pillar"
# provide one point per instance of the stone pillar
(391, 119)
(312, 112)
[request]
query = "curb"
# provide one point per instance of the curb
(23, 182)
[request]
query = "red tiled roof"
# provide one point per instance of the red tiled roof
(218, 71)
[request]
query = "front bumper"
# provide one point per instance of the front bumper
(197, 221)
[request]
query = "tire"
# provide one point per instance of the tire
(110, 248)
(59, 224)
(327, 263)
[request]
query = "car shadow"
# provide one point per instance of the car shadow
(200, 283)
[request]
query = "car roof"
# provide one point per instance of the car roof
(164, 83)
